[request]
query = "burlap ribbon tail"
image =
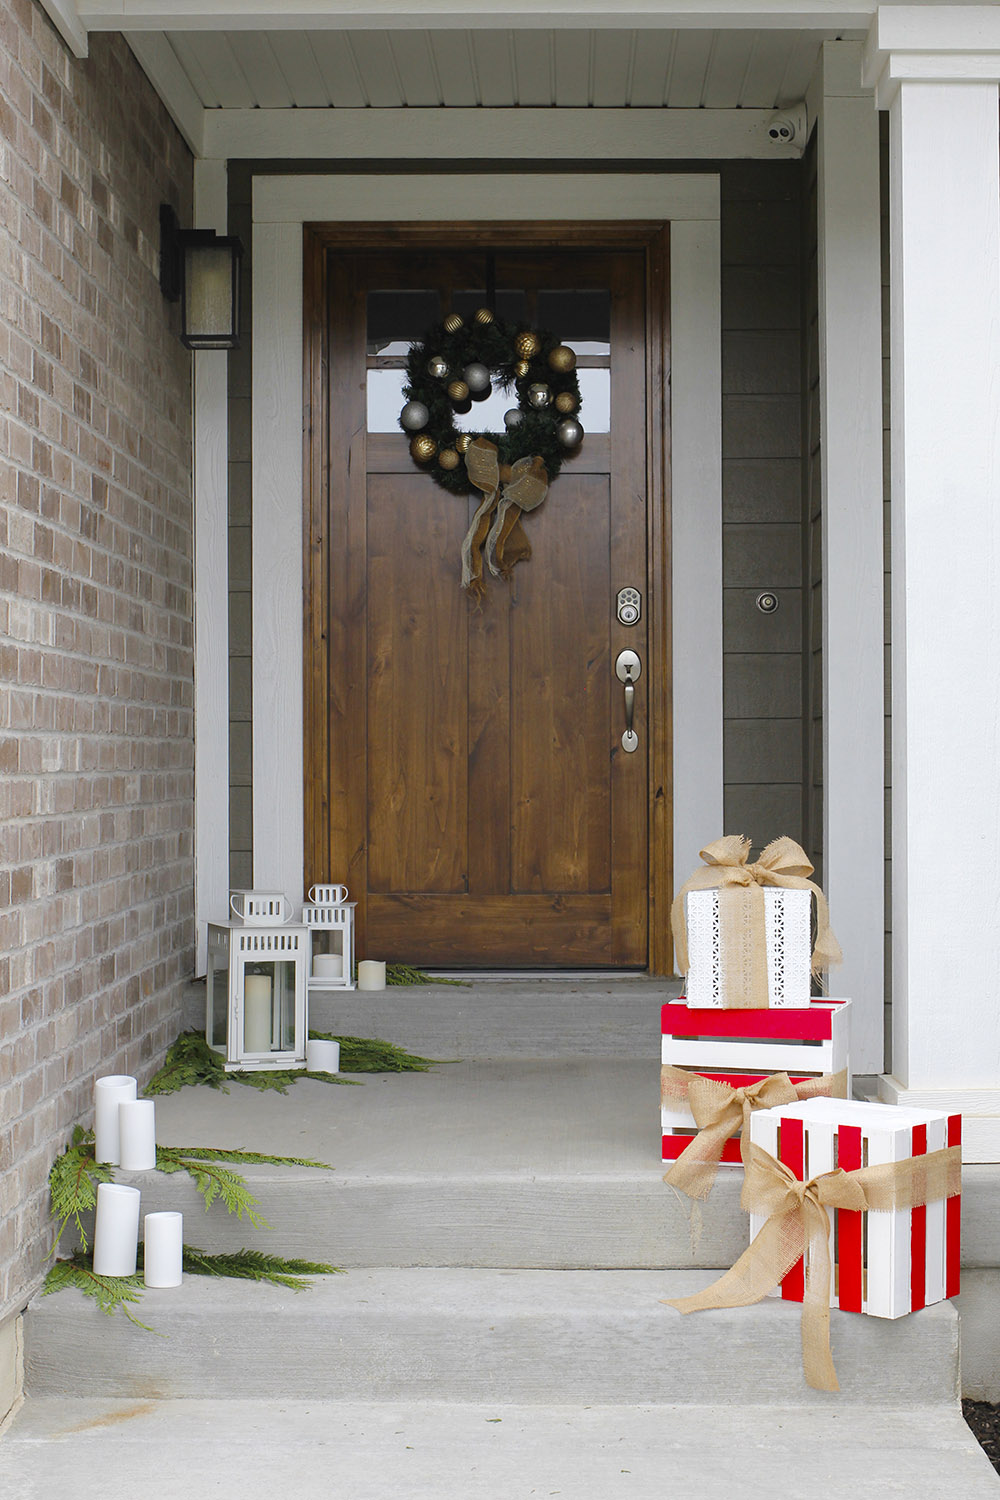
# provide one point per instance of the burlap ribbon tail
(742, 934)
(719, 1110)
(496, 533)
(798, 1223)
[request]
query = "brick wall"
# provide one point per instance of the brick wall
(96, 717)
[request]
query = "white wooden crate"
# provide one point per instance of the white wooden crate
(788, 933)
(741, 1047)
(885, 1264)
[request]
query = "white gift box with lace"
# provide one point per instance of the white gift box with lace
(788, 931)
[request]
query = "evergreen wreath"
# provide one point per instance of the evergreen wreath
(517, 359)
(452, 366)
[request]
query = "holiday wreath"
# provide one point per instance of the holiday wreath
(456, 364)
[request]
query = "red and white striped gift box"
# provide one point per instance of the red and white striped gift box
(885, 1264)
(740, 1047)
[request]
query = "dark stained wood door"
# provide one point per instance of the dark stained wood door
(465, 772)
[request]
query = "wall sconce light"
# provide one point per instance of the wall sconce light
(201, 270)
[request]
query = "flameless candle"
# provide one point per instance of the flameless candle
(371, 974)
(137, 1127)
(257, 1013)
(116, 1229)
(109, 1092)
(163, 1249)
(328, 966)
(322, 1056)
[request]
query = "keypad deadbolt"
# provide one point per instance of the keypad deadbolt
(629, 606)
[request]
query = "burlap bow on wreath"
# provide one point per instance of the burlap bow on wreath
(742, 935)
(496, 532)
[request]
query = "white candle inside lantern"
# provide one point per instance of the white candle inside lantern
(137, 1128)
(163, 1249)
(322, 1056)
(116, 1229)
(371, 974)
(328, 966)
(109, 1092)
(257, 1013)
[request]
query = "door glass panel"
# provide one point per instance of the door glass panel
(581, 319)
(400, 315)
(510, 304)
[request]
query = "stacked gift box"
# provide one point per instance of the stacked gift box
(851, 1203)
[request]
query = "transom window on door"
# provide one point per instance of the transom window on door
(398, 318)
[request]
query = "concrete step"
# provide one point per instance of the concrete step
(496, 1018)
(537, 1163)
(256, 1450)
(522, 1337)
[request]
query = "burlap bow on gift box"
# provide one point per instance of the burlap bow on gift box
(742, 933)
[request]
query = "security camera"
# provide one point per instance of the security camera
(787, 125)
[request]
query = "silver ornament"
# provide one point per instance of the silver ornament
(539, 395)
(437, 367)
(414, 416)
(513, 418)
(570, 433)
(476, 377)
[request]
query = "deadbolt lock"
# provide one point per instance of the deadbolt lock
(629, 606)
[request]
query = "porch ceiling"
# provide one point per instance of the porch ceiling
(464, 68)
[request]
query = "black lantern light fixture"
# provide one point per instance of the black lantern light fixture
(201, 270)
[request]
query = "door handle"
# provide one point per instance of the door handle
(628, 668)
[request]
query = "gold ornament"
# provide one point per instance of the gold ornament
(458, 391)
(562, 358)
(423, 448)
(448, 458)
(566, 401)
(484, 317)
(521, 368)
(527, 345)
(452, 323)
(462, 441)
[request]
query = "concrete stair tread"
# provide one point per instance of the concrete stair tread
(471, 1335)
(254, 1450)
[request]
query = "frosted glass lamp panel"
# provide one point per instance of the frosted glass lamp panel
(788, 936)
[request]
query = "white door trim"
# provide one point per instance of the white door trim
(281, 206)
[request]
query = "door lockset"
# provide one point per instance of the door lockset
(628, 669)
(629, 606)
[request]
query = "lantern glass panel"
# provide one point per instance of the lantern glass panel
(218, 979)
(208, 288)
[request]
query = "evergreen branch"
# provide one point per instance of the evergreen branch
(73, 1183)
(405, 974)
(213, 1181)
(189, 1060)
(109, 1292)
(359, 1054)
(241, 1158)
(257, 1265)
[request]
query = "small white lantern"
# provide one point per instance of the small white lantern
(330, 920)
(255, 1001)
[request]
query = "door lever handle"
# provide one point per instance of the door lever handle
(628, 668)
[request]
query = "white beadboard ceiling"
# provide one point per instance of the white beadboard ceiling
(385, 69)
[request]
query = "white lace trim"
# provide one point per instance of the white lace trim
(788, 931)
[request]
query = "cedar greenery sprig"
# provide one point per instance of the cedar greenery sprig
(406, 974)
(76, 1175)
(191, 1061)
(360, 1054)
(114, 1292)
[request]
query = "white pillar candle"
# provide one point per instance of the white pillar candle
(322, 1056)
(257, 1013)
(109, 1092)
(136, 1125)
(371, 974)
(163, 1249)
(328, 966)
(116, 1229)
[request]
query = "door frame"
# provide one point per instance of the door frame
(282, 204)
(320, 646)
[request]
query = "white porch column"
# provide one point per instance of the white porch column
(211, 594)
(850, 351)
(945, 272)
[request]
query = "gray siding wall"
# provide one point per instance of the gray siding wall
(812, 522)
(762, 506)
(762, 498)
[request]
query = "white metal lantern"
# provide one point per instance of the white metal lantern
(331, 930)
(255, 1002)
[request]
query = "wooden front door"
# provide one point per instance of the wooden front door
(465, 769)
